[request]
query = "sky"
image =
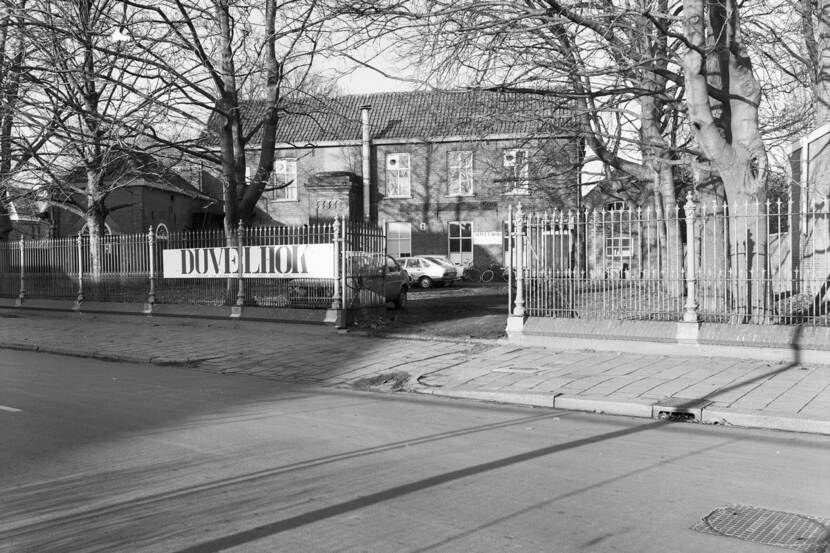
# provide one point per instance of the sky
(365, 81)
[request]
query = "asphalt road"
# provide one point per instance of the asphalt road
(100, 456)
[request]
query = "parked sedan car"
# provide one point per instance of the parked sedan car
(427, 271)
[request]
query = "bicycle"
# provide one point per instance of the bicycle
(470, 273)
(495, 269)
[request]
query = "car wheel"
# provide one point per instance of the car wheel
(425, 282)
(400, 301)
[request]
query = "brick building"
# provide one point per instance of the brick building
(143, 193)
(438, 169)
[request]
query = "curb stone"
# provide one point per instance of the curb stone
(140, 360)
(642, 409)
(639, 409)
(770, 421)
(534, 399)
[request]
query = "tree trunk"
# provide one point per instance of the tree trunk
(734, 147)
(95, 217)
(713, 255)
(5, 222)
(672, 246)
(821, 86)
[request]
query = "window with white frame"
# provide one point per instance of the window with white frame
(517, 171)
(618, 205)
(399, 239)
(282, 186)
(398, 175)
(460, 173)
(618, 247)
(162, 233)
(460, 234)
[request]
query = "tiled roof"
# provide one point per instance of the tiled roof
(413, 115)
(122, 163)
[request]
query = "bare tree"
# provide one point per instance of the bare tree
(615, 65)
(215, 53)
(716, 59)
(18, 140)
(90, 102)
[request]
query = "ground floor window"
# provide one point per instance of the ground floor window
(461, 241)
(618, 247)
(399, 239)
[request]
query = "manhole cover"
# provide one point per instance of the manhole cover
(776, 528)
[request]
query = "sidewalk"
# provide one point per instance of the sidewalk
(712, 390)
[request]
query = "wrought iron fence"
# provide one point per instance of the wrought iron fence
(755, 263)
(131, 268)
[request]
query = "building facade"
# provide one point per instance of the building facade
(438, 169)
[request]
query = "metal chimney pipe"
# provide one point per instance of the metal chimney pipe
(367, 166)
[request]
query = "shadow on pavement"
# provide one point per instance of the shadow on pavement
(462, 311)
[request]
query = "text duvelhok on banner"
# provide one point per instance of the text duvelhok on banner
(285, 261)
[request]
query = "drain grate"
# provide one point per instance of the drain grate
(776, 528)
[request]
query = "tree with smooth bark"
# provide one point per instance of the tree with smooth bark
(715, 59)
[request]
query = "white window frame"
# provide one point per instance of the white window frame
(460, 256)
(619, 247)
(399, 239)
(162, 232)
(398, 175)
(617, 205)
(517, 172)
(285, 170)
(460, 173)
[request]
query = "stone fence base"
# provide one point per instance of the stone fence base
(338, 318)
(790, 344)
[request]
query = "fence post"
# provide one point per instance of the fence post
(515, 322)
(511, 263)
(22, 292)
(336, 300)
(690, 314)
(236, 311)
(344, 243)
(151, 298)
(80, 297)
(519, 308)
(689, 328)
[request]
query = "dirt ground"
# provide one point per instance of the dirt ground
(463, 310)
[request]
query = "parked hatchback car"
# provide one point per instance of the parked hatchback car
(396, 283)
(427, 271)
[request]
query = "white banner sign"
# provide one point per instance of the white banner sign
(288, 261)
(487, 238)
